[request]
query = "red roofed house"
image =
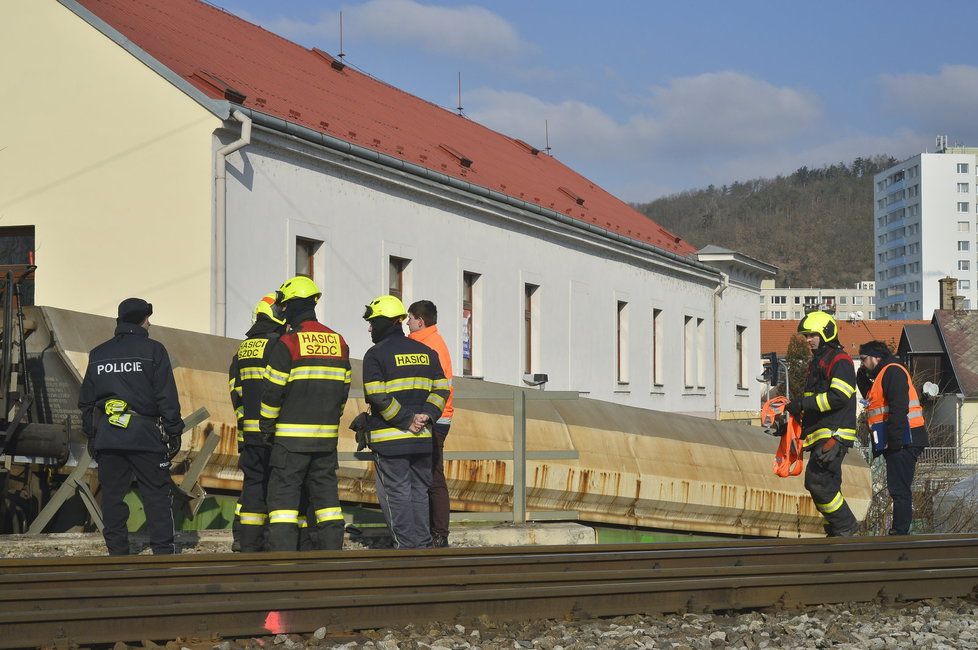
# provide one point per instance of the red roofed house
(174, 151)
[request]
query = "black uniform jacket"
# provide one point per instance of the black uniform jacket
(402, 378)
(245, 378)
(896, 390)
(132, 367)
(829, 401)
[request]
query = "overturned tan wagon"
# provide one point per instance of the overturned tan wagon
(635, 466)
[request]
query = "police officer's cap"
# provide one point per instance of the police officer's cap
(134, 310)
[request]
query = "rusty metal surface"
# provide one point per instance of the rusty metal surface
(636, 467)
(294, 593)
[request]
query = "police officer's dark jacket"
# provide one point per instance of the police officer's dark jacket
(246, 374)
(897, 392)
(306, 383)
(402, 378)
(132, 367)
(829, 402)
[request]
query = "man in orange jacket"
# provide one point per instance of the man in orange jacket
(422, 322)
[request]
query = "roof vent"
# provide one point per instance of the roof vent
(579, 200)
(334, 63)
(218, 85)
(457, 155)
(525, 145)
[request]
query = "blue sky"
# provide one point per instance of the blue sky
(650, 98)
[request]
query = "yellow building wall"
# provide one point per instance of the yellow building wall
(969, 424)
(110, 163)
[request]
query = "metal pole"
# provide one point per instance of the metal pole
(519, 457)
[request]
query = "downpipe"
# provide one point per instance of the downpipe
(220, 221)
(717, 296)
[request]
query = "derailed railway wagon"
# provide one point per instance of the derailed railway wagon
(634, 467)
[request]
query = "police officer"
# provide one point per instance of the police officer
(406, 389)
(305, 386)
(131, 416)
(245, 378)
(896, 420)
(827, 410)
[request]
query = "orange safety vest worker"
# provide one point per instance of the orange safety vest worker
(789, 458)
(878, 409)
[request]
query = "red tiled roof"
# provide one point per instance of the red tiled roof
(775, 334)
(214, 49)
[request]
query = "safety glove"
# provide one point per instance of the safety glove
(361, 427)
(829, 451)
(794, 407)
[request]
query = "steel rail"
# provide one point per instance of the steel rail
(239, 595)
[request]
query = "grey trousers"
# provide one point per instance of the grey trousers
(402, 490)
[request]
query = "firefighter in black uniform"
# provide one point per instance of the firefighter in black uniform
(305, 387)
(131, 416)
(245, 382)
(828, 419)
(406, 389)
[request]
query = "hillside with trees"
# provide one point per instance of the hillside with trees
(815, 225)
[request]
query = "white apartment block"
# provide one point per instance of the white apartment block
(791, 303)
(925, 230)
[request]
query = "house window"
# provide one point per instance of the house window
(689, 351)
(843, 300)
(657, 375)
(741, 357)
(395, 281)
(531, 328)
(470, 295)
(964, 245)
(797, 300)
(964, 285)
(963, 206)
(17, 248)
(700, 353)
(621, 320)
(779, 315)
(962, 168)
(779, 300)
(964, 265)
(963, 188)
(964, 226)
(305, 257)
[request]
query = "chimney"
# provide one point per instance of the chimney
(949, 298)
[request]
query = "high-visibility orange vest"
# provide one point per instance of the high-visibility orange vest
(789, 458)
(877, 410)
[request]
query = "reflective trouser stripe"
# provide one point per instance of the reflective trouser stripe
(237, 508)
(329, 514)
(848, 435)
(385, 435)
(250, 426)
(832, 505)
(283, 517)
(253, 518)
(303, 522)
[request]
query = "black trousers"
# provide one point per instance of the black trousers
(253, 516)
(290, 472)
(439, 505)
(900, 467)
(116, 470)
(824, 483)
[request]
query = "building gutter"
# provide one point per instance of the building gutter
(220, 221)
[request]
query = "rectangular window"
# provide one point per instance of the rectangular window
(531, 328)
(963, 206)
(689, 351)
(857, 300)
(658, 379)
(843, 300)
(963, 188)
(621, 350)
(964, 265)
(797, 300)
(700, 353)
(305, 257)
(779, 300)
(396, 273)
(470, 289)
(964, 285)
(17, 248)
(742, 357)
(964, 226)
(962, 168)
(964, 245)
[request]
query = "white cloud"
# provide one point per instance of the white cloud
(466, 31)
(938, 103)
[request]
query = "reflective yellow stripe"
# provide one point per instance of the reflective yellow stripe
(843, 387)
(437, 400)
(231, 383)
(329, 514)
(832, 505)
(239, 390)
(252, 373)
(239, 437)
(253, 518)
(239, 412)
(283, 517)
(275, 376)
(815, 436)
(822, 401)
(303, 522)
(392, 409)
(315, 372)
(237, 508)
(846, 434)
(409, 383)
(348, 377)
(386, 435)
(269, 411)
(373, 387)
(442, 384)
(251, 426)
(307, 430)
(808, 393)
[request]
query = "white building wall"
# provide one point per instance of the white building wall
(790, 303)
(924, 242)
(364, 214)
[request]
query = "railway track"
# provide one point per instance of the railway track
(55, 602)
